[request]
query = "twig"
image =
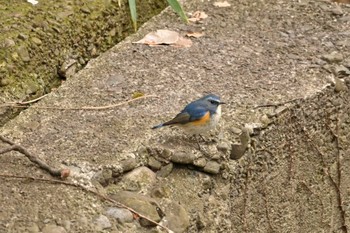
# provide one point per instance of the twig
(26, 105)
(101, 196)
(277, 104)
(31, 101)
(63, 173)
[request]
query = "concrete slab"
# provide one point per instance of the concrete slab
(252, 53)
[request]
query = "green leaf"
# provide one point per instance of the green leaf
(132, 6)
(176, 6)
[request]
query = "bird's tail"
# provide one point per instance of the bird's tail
(158, 126)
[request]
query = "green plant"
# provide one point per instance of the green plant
(174, 4)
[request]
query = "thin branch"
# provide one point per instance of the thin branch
(31, 101)
(26, 105)
(63, 173)
(277, 104)
(101, 196)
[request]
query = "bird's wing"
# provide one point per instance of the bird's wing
(190, 114)
(181, 118)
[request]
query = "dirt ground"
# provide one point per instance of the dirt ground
(293, 175)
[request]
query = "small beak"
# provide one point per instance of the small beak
(222, 103)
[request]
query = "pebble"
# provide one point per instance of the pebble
(120, 214)
(183, 158)
(143, 176)
(146, 206)
(9, 43)
(166, 170)
(103, 177)
(237, 151)
(200, 162)
(102, 222)
(223, 147)
(22, 36)
(337, 10)
(36, 40)
(339, 85)
(51, 228)
(23, 53)
(128, 164)
(154, 164)
(212, 167)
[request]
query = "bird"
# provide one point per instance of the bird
(198, 117)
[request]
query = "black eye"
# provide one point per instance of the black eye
(214, 102)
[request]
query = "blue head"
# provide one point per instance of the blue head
(211, 102)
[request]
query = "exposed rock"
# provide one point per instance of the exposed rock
(102, 222)
(23, 53)
(183, 158)
(142, 176)
(176, 217)
(51, 228)
(9, 43)
(212, 167)
(22, 36)
(146, 206)
(36, 40)
(154, 164)
(339, 85)
(165, 170)
(128, 164)
(223, 146)
(160, 191)
(237, 151)
(120, 214)
(103, 177)
(200, 162)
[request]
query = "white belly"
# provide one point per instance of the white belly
(201, 129)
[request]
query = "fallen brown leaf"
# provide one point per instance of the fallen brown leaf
(165, 37)
(197, 16)
(159, 37)
(182, 43)
(222, 4)
(195, 34)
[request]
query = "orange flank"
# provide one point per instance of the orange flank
(204, 120)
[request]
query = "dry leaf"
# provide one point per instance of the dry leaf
(166, 37)
(222, 4)
(182, 43)
(195, 34)
(159, 37)
(197, 16)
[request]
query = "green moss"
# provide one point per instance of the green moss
(47, 34)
